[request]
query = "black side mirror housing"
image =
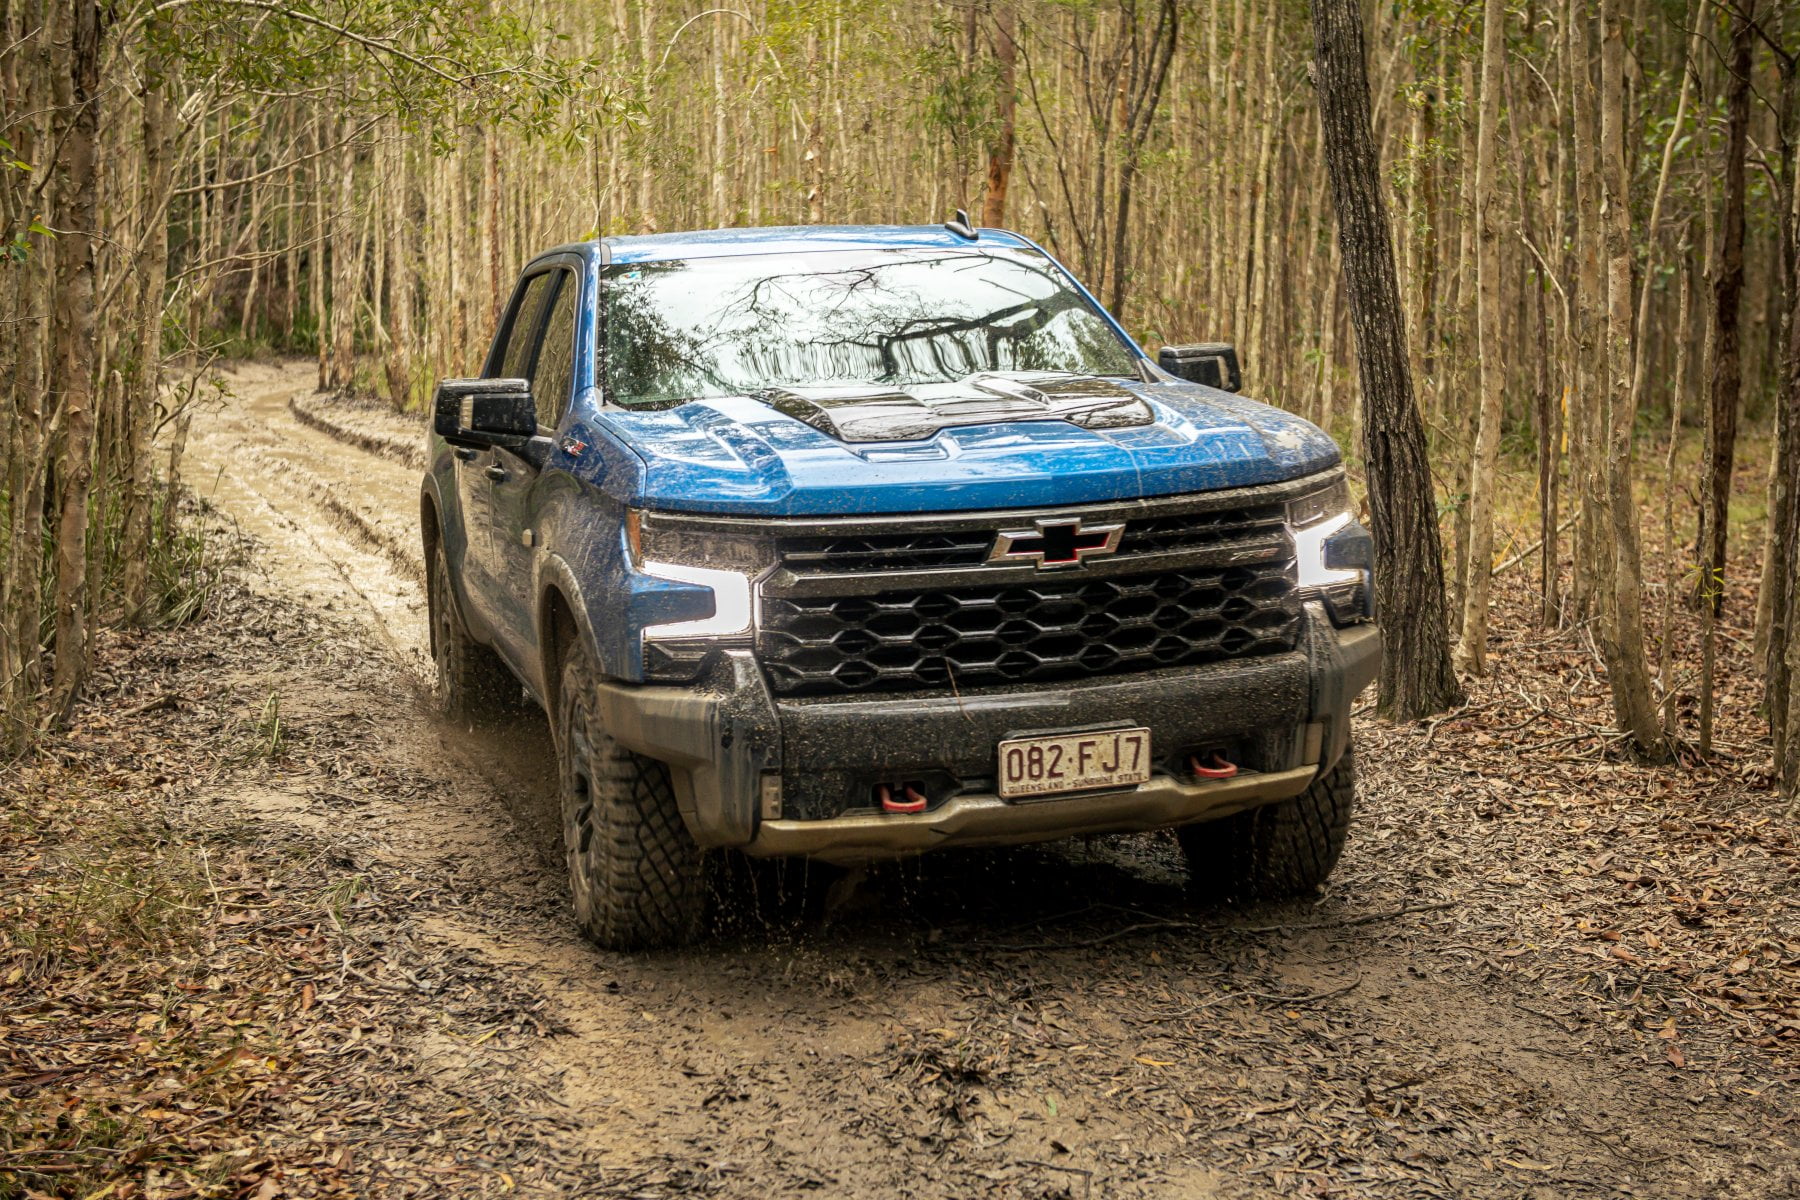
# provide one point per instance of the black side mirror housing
(1214, 364)
(484, 413)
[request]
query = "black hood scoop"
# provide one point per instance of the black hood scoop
(859, 413)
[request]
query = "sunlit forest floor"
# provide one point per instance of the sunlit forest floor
(267, 929)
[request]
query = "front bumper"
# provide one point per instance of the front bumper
(987, 820)
(794, 777)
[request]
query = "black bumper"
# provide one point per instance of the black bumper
(797, 776)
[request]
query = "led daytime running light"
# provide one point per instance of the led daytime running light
(1309, 555)
(731, 601)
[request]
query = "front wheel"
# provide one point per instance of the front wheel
(636, 876)
(1278, 850)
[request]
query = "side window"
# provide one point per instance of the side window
(514, 357)
(554, 374)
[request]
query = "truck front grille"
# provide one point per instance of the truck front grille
(1054, 627)
(907, 551)
(925, 550)
(1202, 530)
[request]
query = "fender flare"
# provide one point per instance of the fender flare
(431, 500)
(556, 576)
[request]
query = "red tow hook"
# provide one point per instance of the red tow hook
(913, 803)
(1220, 769)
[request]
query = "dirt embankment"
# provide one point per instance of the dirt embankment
(1512, 987)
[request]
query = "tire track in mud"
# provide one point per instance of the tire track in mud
(330, 516)
(283, 482)
(375, 530)
(313, 412)
(956, 1030)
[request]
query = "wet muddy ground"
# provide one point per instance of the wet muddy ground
(1050, 1022)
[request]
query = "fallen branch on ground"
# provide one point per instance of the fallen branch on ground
(1532, 549)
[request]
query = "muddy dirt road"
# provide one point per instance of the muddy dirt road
(1045, 1023)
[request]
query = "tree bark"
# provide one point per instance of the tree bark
(1728, 288)
(1684, 327)
(75, 366)
(494, 274)
(1628, 670)
(1782, 661)
(346, 270)
(815, 131)
(316, 277)
(1784, 628)
(1000, 152)
(152, 266)
(402, 282)
(26, 78)
(1472, 646)
(1416, 676)
(1585, 450)
(1773, 582)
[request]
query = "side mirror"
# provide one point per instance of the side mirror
(483, 413)
(1214, 364)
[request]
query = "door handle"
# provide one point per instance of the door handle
(497, 473)
(465, 453)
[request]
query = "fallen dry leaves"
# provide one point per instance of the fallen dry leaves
(195, 1002)
(1541, 970)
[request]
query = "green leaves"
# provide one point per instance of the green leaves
(426, 64)
(17, 248)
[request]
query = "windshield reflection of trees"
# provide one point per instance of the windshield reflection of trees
(685, 329)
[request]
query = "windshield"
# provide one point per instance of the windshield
(697, 328)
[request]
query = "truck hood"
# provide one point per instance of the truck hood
(1002, 442)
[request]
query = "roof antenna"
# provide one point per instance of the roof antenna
(960, 226)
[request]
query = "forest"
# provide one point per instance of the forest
(190, 182)
(1535, 266)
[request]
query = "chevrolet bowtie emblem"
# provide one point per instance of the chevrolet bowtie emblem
(1055, 543)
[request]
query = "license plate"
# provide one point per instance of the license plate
(1073, 762)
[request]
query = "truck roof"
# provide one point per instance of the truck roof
(788, 239)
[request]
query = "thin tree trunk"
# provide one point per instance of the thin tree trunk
(494, 275)
(346, 271)
(401, 280)
(1585, 452)
(1782, 662)
(152, 266)
(1727, 366)
(316, 260)
(1416, 675)
(1773, 581)
(1000, 152)
(1484, 469)
(815, 132)
(1684, 332)
(75, 365)
(1728, 289)
(1627, 668)
(26, 80)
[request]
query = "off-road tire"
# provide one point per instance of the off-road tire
(636, 876)
(1278, 850)
(471, 684)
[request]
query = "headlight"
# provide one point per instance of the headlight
(667, 548)
(695, 542)
(1312, 520)
(731, 602)
(1309, 555)
(1322, 504)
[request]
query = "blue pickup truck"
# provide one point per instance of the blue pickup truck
(857, 542)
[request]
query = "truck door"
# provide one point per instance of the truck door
(515, 487)
(477, 470)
